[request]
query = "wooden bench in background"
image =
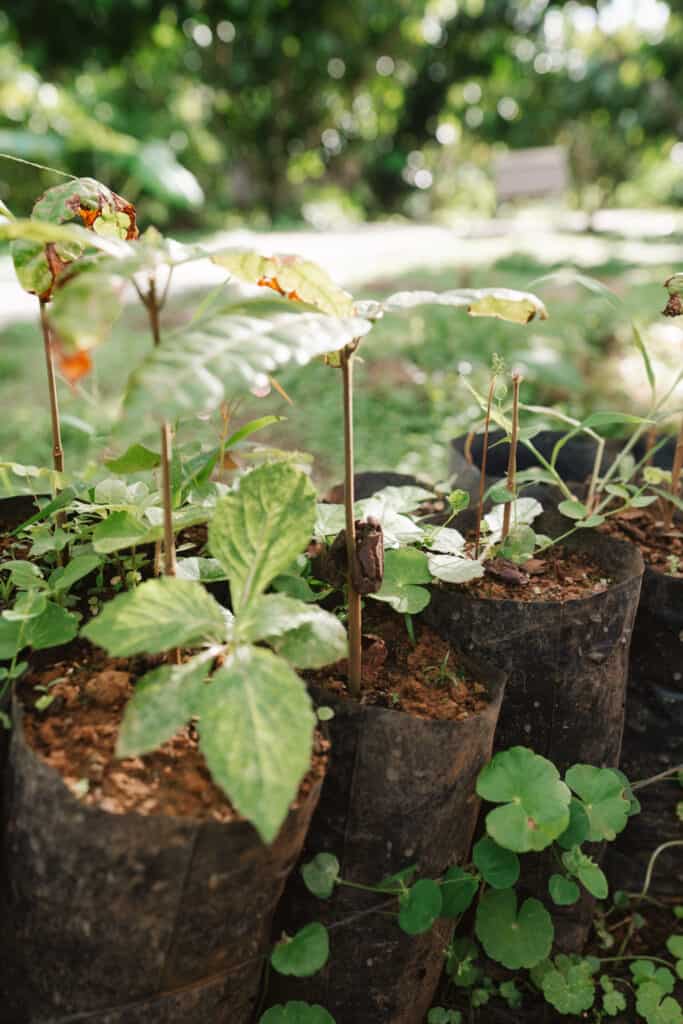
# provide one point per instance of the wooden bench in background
(531, 173)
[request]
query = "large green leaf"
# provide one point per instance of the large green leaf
(221, 354)
(303, 634)
(304, 953)
(404, 569)
(536, 801)
(157, 616)
(503, 303)
(291, 276)
(258, 530)
(164, 700)
(256, 728)
(513, 939)
(604, 799)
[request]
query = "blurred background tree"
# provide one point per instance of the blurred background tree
(205, 110)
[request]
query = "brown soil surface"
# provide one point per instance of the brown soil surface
(658, 543)
(563, 575)
(423, 679)
(76, 735)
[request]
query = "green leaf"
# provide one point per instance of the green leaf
(438, 1015)
(63, 499)
(118, 530)
(597, 420)
(77, 569)
(304, 634)
(157, 616)
(503, 303)
(164, 700)
(455, 568)
(587, 871)
(258, 530)
(568, 984)
(647, 363)
(511, 994)
(256, 728)
(295, 277)
(645, 971)
(458, 889)
(499, 867)
(604, 800)
(613, 1001)
(563, 891)
(536, 802)
(519, 544)
(458, 500)
(420, 907)
(296, 1012)
(55, 626)
(590, 522)
(513, 939)
(572, 509)
(321, 874)
(655, 1007)
(404, 568)
(135, 459)
(30, 604)
(460, 962)
(304, 953)
(11, 641)
(218, 355)
(578, 828)
(203, 570)
(24, 575)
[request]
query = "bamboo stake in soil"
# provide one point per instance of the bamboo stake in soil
(170, 566)
(355, 627)
(512, 460)
(57, 449)
(484, 458)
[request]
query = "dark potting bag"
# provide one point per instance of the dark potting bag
(653, 738)
(399, 791)
(133, 919)
(567, 665)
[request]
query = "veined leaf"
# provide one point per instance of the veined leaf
(164, 701)
(604, 799)
(291, 276)
(258, 530)
(303, 634)
(514, 938)
(198, 365)
(256, 728)
(157, 616)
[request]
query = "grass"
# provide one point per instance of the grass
(410, 399)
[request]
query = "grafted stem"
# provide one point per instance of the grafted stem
(355, 625)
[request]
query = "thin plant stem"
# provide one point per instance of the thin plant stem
(484, 458)
(170, 567)
(512, 459)
(355, 625)
(646, 886)
(57, 449)
(642, 783)
(595, 475)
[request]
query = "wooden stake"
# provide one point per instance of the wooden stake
(484, 459)
(355, 624)
(170, 565)
(512, 460)
(57, 449)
